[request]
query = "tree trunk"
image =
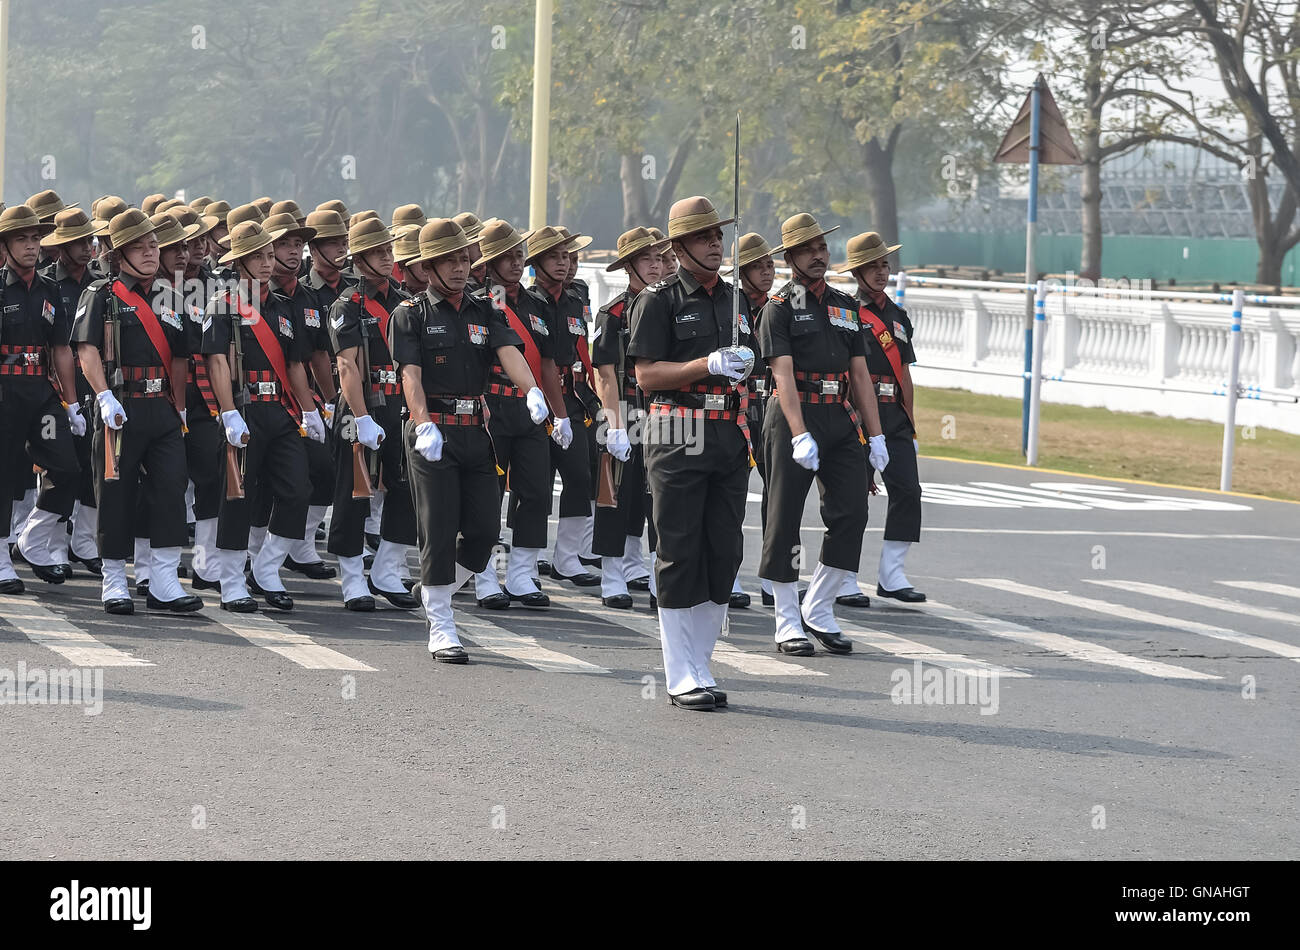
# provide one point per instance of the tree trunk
(1269, 269)
(1090, 180)
(636, 211)
(878, 164)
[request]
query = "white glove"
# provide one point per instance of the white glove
(76, 420)
(314, 424)
(805, 451)
(369, 432)
(537, 405)
(110, 410)
(328, 414)
(877, 453)
(236, 429)
(562, 432)
(916, 446)
(617, 444)
(428, 441)
(727, 362)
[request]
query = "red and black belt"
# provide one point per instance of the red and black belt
(821, 389)
(22, 361)
(711, 403)
(499, 383)
(146, 382)
(384, 379)
(447, 410)
(886, 388)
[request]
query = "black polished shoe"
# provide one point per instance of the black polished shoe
(278, 599)
(49, 573)
(450, 655)
(245, 605)
(497, 601)
(639, 583)
(585, 579)
(15, 555)
(198, 583)
(618, 601)
(184, 604)
(543, 566)
(368, 561)
(13, 585)
(700, 699)
(65, 570)
(535, 599)
(401, 599)
(321, 534)
(719, 697)
(119, 605)
(853, 600)
(372, 541)
(315, 570)
(93, 564)
(738, 598)
(907, 595)
(654, 602)
(142, 589)
(182, 570)
(409, 583)
(589, 561)
(363, 604)
(833, 642)
(796, 647)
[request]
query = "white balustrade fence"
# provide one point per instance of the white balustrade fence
(1123, 349)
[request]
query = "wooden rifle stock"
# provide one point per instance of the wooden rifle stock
(361, 485)
(606, 495)
(112, 451)
(235, 471)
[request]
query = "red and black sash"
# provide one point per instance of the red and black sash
(270, 345)
(532, 355)
(154, 330)
(888, 345)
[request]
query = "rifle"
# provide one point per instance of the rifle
(113, 375)
(365, 474)
(239, 395)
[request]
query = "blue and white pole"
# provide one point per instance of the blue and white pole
(1035, 381)
(1234, 375)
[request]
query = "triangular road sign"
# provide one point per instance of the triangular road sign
(1056, 146)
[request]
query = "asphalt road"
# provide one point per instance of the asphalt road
(1101, 676)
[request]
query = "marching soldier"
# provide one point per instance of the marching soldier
(290, 207)
(572, 436)
(585, 383)
(809, 336)
(329, 246)
(47, 204)
(36, 425)
(406, 253)
(520, 442)
(131, 341)
(668, 259)
(756, 271)
(888, 332)
(71, 245)
(617, 534)
(150, 204)
(369, 414)
(447, 342)
(303, 557)
(696, 446)
(254, 329)
(473, 228)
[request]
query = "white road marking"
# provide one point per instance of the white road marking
(1264, 587)
(912, 650)
(517, 646)
(1203, 600)
(1066, 646)
(1141, 616)
(755, 664)
(260, 630)
(75, 645)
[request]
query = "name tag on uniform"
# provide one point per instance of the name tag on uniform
(12, 307)
(434, 329)
(539, 325)
(803, 316)
(477, 333)
(689, 317)
(900, 331)
(311, 318)
(47, 311)
(286, 327)
(842, 318)
(576, 326)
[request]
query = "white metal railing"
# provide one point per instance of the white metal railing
(1122, 348)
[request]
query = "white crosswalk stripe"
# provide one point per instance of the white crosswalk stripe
(1202, 600)
(75, 645)
(517, 646)
(1141, 616)
(912, 650)
(1059, 643)
(1264, 587)
(728, 654)
(260, 630)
